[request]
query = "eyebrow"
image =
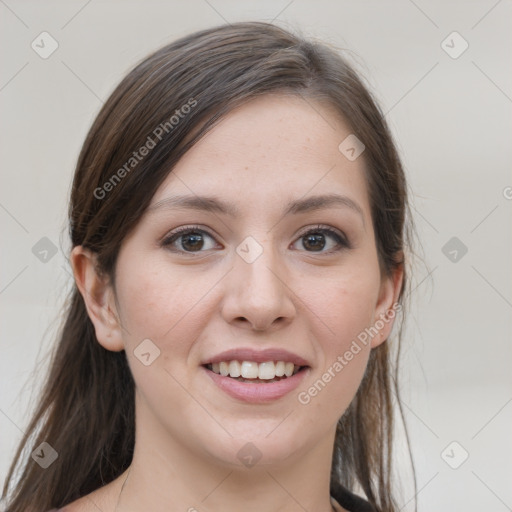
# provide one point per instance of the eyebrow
(215, 205)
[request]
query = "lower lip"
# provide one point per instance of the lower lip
(257, 392)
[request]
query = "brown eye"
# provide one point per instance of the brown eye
(189, 240)
(323, 240)
(314, 241)
(192, 242)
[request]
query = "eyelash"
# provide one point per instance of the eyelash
(341, 241)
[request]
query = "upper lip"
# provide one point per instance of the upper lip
(258, 356)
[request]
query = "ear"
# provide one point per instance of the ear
(387, 306)
(98, 295)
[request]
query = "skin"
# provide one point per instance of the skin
(194, 305)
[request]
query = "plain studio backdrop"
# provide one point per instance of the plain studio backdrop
(441, 72)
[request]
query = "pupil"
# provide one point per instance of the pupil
(193, 241)
(316, 242)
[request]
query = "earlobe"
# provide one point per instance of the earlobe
(98, 296)
(387, 305)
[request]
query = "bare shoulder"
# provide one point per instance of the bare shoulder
(103, 499)
(89, 503)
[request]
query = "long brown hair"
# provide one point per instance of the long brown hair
(86, 410)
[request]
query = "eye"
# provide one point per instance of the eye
(189, 239)
(320, 238)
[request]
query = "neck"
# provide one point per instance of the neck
(165, 476)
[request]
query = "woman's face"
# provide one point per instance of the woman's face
(277, 261)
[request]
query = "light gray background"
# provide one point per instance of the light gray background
(452, 120)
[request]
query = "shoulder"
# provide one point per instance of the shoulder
(84, 504)
(103, 498)
(76, 506)
(68, 508)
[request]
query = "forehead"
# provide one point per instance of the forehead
(275, 148)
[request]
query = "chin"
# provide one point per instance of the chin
(256, 446)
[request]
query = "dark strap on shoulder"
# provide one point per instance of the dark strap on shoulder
(349, 500)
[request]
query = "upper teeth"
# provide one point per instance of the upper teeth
(252, 370)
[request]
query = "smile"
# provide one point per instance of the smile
(251, 371)
(238, 378)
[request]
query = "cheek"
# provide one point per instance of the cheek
(344, 359)
(165, 307)
(343, 306)
(163, 304)
(345, 303)
(150, 303)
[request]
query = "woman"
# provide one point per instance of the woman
(238, 222)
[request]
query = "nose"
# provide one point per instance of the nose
(256, 294)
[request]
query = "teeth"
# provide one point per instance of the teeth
(266, 371)
(251, 370)
(235, 369)
(224, 369)
(280, 368)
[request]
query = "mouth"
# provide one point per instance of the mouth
(256, 376)
(255, 373)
